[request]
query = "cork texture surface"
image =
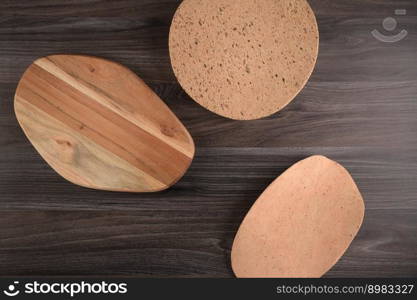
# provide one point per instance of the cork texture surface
(302, 224)
(243, 59)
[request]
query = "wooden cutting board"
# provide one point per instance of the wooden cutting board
(243, 59)
(302, 224)
(100, 126)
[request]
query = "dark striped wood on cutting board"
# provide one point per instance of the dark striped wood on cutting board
(100, 126)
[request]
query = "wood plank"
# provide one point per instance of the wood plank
(219, 179)
(85, 8)
(157, 244)
(147, 8)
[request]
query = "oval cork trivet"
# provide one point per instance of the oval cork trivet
(243, 59)
(301, 225)
(100, 126)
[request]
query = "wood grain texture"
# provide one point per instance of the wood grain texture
(99, 126)
(358, 108)
(150, 243)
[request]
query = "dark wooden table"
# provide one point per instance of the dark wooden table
(359, 108)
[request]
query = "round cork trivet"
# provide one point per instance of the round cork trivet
(243, 59)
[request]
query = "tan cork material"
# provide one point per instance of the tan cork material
(243, 59)
(301, 225)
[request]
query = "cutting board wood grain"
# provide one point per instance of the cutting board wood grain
(100, 126)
